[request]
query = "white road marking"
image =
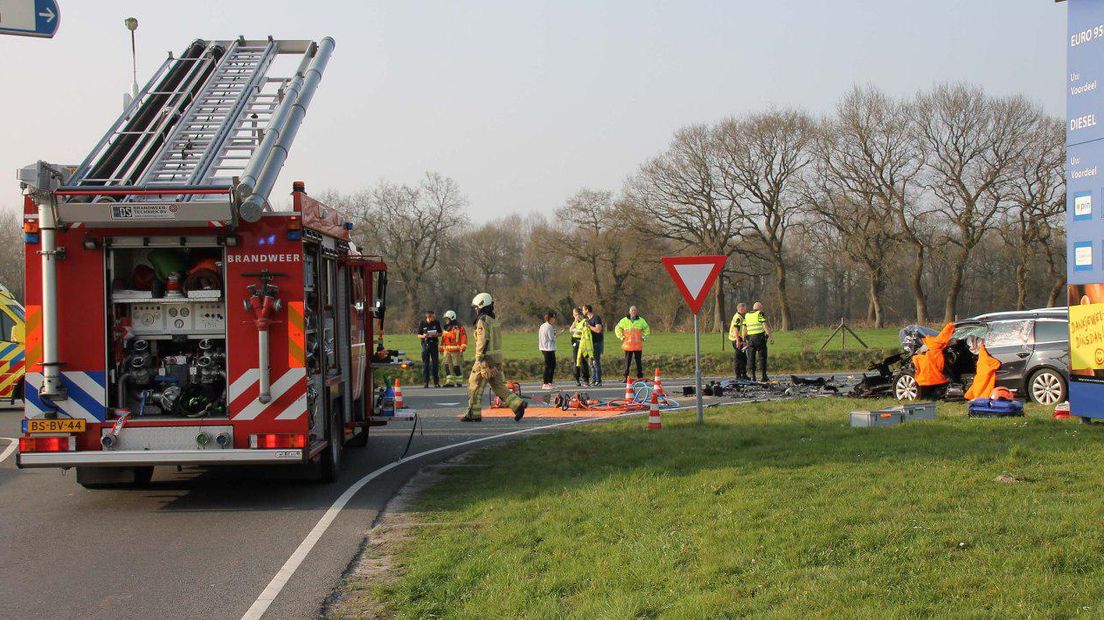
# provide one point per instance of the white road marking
(282, 577)
(9, 450)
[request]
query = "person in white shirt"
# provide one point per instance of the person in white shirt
(546, 342)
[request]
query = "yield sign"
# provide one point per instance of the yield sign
(694, 276)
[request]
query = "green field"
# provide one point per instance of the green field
(517, 345)
(776, 508)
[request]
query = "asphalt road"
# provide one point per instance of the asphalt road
(203, 543)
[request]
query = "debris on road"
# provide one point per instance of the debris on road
(796, 387)
(560, 404)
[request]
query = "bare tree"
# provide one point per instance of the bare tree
(864, 232)
(486, 257)
(867, 164)
(760, 159)
(11, 252)
(1038, 195)
(590, 230)
(972, 142)
(410, 226)
(677, 196)
(1052, 246)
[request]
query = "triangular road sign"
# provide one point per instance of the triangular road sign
(694, 276)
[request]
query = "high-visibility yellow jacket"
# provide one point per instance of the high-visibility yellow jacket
(586, 342)
(632, 333)
(755, 322)
(736, 327)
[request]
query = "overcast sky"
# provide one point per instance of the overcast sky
(524, 102)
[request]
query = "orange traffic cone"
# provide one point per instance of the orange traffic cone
(658, 384)
(655, 422)
(629, 396)
(399, 404)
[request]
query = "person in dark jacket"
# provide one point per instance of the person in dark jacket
(597, 329)
(429, 332)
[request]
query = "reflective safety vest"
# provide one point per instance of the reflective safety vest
(488, 340)
(632, 333)
(735, 326)
(755, 322)
(586, 342)
(454, 339)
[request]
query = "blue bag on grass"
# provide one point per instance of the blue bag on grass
(995, 408)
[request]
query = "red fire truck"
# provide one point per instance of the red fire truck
(173, 317)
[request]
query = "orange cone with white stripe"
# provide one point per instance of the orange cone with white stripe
(655, 422)
(629, 390)
(658, 385)
(399, 404)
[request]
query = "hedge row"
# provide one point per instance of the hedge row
(670, 365)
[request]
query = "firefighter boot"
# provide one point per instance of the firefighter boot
(517, 405)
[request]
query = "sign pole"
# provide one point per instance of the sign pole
(694, 276)
(697, 369)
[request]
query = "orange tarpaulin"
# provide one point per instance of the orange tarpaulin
(929, 364)
(986, 378)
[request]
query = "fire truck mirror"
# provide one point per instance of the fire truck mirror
(381, 297)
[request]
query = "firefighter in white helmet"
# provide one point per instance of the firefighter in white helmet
(454, 341)
(488, 363)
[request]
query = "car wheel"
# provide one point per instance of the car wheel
(906, 387)
(1047, 387)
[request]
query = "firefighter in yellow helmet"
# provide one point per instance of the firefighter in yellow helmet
(488, 363)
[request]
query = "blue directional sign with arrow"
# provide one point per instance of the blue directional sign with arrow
(29, 18)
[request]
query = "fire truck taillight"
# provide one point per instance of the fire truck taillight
(48, 444)
(272, 441)
(30, 231)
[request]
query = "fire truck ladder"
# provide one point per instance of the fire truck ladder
(211, 129)
(204, 120)
(127, 148)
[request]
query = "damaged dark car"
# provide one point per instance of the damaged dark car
(1032, 347)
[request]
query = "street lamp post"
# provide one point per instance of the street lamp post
(132, 24)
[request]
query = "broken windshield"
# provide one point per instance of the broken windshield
(1009, 333)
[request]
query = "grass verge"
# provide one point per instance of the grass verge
(774, 508)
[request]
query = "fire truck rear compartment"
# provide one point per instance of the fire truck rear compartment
(167, 339)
